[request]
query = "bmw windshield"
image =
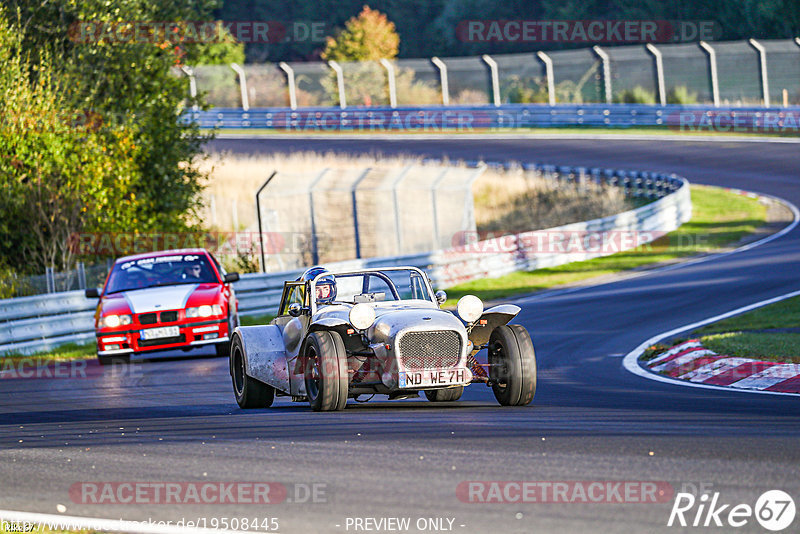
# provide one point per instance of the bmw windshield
(160, 271)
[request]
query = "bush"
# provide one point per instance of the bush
(524, 91)
(637, 95)
(680, 94)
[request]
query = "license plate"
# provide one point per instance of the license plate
(158, 333)
(432, 377)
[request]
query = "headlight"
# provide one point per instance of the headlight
(204, 311)
(362, 316)
(113, 321)
(470, 308)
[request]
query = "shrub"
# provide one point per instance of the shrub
(637, 95)
(680, 94)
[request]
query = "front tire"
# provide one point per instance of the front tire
(444, 395)
(512, 368)
(325, 371)
(249, 392)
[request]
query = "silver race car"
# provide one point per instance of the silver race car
(379, 331)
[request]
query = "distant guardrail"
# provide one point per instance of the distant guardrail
(31, 324)
(692, 118)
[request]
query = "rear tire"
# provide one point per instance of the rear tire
(444, 395)
(512, 365)
(249, 392)
(325, 369)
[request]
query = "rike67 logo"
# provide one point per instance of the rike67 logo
(774, 510)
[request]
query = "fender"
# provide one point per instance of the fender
(328, 322)
(264, 355)
(494, 317)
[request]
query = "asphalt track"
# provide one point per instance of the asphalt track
(591, 419)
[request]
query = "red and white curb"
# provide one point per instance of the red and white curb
(693, 362)
(631, 360)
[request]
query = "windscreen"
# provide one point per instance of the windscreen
(160, 271)
(380, 286)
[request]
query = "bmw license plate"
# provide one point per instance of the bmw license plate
(160, 332)
(432, 377)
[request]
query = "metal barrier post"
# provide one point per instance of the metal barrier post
(353, 192)
(290, 83)
(397, 230)
(442, 79)
(548, 71)
(606, 72)
(469, 202)
(51, 281)
(314, 244)
(434, 188)
(189, 71)
(762, 64)
(81, 275)
(242, 85)
(495, 78)
(258, 216)
(662, 93)
(392, 82)
(712, 66)
(339, 82)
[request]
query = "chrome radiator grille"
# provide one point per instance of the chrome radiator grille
(436, 349)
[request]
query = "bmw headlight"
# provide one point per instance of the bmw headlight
(113, 321)
(362, 316)
(470, 308)
(204, 311)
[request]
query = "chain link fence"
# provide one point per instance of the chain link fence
(342, 214)
(719, 73)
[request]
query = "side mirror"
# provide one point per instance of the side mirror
(231, 277)
(92, 293)
(441, 297)
(295, 309)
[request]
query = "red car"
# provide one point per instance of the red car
(173, 299)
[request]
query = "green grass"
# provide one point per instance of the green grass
(784, 314)
(73, 351)
(639, 130)
(255, 320)
(748, 335)
(70, 351)
(775, 347)
(719, 218)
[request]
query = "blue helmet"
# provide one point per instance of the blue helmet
(326, 280)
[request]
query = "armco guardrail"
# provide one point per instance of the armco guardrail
(31, 324)
(693, 118)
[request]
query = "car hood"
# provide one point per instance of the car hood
(159, 298)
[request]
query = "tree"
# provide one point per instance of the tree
(369, 36)
(59, 175)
